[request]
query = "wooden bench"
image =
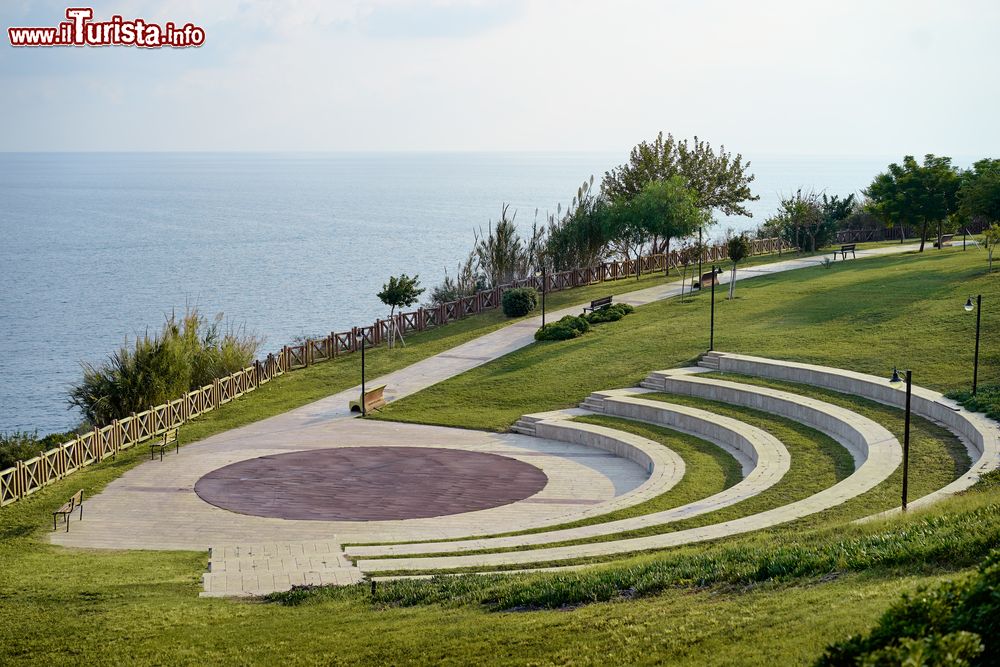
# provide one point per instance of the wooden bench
(70, 506)
(945, 238)
(169, 438)
(844, 249)
(373, 399)
(707, 279)
(597, 304)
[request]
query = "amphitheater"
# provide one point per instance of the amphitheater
(341, 501)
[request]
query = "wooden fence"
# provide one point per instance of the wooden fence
(866, 234)
(106, 441)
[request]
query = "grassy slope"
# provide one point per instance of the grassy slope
(142, 606)
(867, 315)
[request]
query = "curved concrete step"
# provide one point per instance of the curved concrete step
(767, 458)
(979, 434)
(877, 454)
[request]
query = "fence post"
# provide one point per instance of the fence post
(19, 481)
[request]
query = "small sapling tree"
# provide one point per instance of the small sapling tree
(991, 239)
(738, 248)
(398, 293)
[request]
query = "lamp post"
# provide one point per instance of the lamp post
(701, 251)
(895, 380)
(543, 275)
(711, 326)
(544, 286)
(364, 412)
(975, 361)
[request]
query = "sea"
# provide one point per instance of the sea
(97, 248)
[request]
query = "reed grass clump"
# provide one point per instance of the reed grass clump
(189, 352)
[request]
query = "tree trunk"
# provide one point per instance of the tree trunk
(939, 244)
(666, 259)
(923, 236)
(732, 282)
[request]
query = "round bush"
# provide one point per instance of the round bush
(519, 301)
(566, 328)
(611, 313)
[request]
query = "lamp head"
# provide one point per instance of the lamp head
(968, 305)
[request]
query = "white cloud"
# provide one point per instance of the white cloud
(770, 76)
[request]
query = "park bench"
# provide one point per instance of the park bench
(707, 280)
(373, 400)
(597, 304)
(169, 438)
(945, 239)
(68, 508)
(844, 249)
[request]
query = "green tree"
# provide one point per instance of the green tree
(738, 248)
(577, 238)
(717, 180)
(400, 292)
(836, 210)
(799, 221)
(663, 210)
(991, 238)
(979, 194)
(916, 194)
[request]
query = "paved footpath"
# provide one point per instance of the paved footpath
(479, 351)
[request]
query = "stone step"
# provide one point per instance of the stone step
(278, 563)
(522, 428)
(231, 584)
(709, 361)
(593, 404)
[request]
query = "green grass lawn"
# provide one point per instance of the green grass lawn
(775, 597)
(866, 315)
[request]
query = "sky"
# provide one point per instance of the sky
(785, 77)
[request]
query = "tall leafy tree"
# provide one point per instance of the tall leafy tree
(717, 180)
(802, 222)
(662, 210)
(979, 194)
(916, 194)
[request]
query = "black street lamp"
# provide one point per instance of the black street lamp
(895, 380)
(364, 412)
(711, 329)
(544, 286)
(979, 313)
(543, 275)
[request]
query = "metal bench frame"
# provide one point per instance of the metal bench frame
(67, 509)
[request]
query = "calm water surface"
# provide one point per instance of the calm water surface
(95, 248)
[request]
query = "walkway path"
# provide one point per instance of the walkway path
(479, 351)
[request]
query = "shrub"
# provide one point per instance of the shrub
(986, 399)
(956, 623)
(519, 301)
(17, 446)
(21, 445)
(566, 328)
(611, 313)
(187, 354)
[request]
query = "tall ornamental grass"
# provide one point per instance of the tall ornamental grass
(189, 352)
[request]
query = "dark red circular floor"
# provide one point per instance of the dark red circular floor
(370, 483)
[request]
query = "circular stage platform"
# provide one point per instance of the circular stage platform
(370, 483)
